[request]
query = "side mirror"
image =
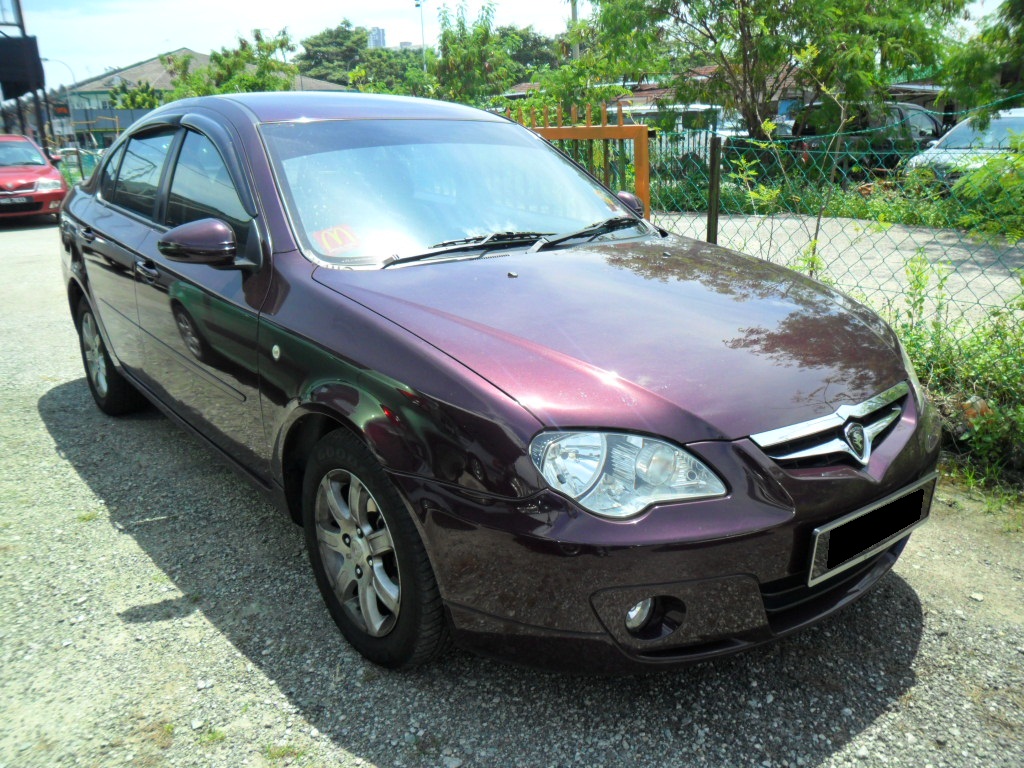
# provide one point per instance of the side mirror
(206, 241)
(932, 143)
(55, 159)
(631, 201)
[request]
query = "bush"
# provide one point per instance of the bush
(992, 196)
(975, 374)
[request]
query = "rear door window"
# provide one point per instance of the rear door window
(138, 180)
(108, 178)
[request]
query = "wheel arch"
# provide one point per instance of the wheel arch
(300, 437)
(76, 291)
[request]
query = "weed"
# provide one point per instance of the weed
(212, 736)
(87, 517)
(159, 734)
(278, 752)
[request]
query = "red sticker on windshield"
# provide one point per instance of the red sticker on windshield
(334, 241)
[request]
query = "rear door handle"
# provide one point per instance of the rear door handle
(148, 273)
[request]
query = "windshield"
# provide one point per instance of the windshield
(19, 153)
(365, 192)
(996, 136)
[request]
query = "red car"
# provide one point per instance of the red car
(30, 184)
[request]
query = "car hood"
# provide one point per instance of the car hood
(19, 177)
(960, 159)
(669, 336)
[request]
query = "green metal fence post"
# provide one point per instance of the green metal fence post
(715, 188)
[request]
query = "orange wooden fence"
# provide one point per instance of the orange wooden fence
(586, 130)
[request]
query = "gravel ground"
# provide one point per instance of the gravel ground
(154, 611)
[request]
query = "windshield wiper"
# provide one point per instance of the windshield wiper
(494, 239)
(594, 230)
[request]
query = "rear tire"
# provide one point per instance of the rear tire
(368, 559)
(111, 391)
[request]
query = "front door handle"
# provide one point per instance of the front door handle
(148, 273)
(87, 234)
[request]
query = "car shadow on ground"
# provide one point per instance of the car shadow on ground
(26, 223)
(240, 564)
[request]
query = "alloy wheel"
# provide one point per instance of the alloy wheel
(358, 552)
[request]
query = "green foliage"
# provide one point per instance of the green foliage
(589, 78)
(399, 71)
(989, 67)
(529, 49)
(343, 55)
(997, 439)
(256, 65)
(332, 54)
(962, 366)
(139, 96)
(756, 48)
(992, 196)
(473, 64)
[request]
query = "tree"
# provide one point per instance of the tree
(740, 53)
(139, 96)
(590, 76)
(529, 49)
(258, 65)
(989, 67)
(399, 71)
(332, 54)
(473, 63)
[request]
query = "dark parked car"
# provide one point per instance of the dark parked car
(30, 184)
(874, 137)
(505, 408)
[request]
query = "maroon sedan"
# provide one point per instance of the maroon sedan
(30, 184)
(506, 409)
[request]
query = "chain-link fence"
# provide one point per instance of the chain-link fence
(933, 232)
(78, 164)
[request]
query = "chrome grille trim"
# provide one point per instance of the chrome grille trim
(827, 427)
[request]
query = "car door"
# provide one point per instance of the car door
(924, 128)
(200, 321)
(112, 229)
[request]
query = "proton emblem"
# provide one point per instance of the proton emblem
(857, 440)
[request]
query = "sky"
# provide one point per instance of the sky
(87, 37)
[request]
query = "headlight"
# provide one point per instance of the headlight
(618, 475)
(49, 185)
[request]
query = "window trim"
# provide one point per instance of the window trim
(155, 217)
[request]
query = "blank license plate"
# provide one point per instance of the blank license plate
(845, 542)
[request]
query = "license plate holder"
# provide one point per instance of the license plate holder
(844, 543)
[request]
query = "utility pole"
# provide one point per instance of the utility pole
(575, 18)
(423, 36)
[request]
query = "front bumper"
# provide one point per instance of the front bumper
(732, 615)
(541, 582)
(31, 204)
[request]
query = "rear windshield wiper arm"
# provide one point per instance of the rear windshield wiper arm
(594, 230)
(473, 243)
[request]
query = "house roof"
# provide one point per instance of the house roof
(155, 73)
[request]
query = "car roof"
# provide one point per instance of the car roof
(290, 106)
(15, 137)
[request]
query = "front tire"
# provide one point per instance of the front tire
(111, 391)
(368, 559)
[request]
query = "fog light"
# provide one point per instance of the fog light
(54, 204)
(639, 615)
